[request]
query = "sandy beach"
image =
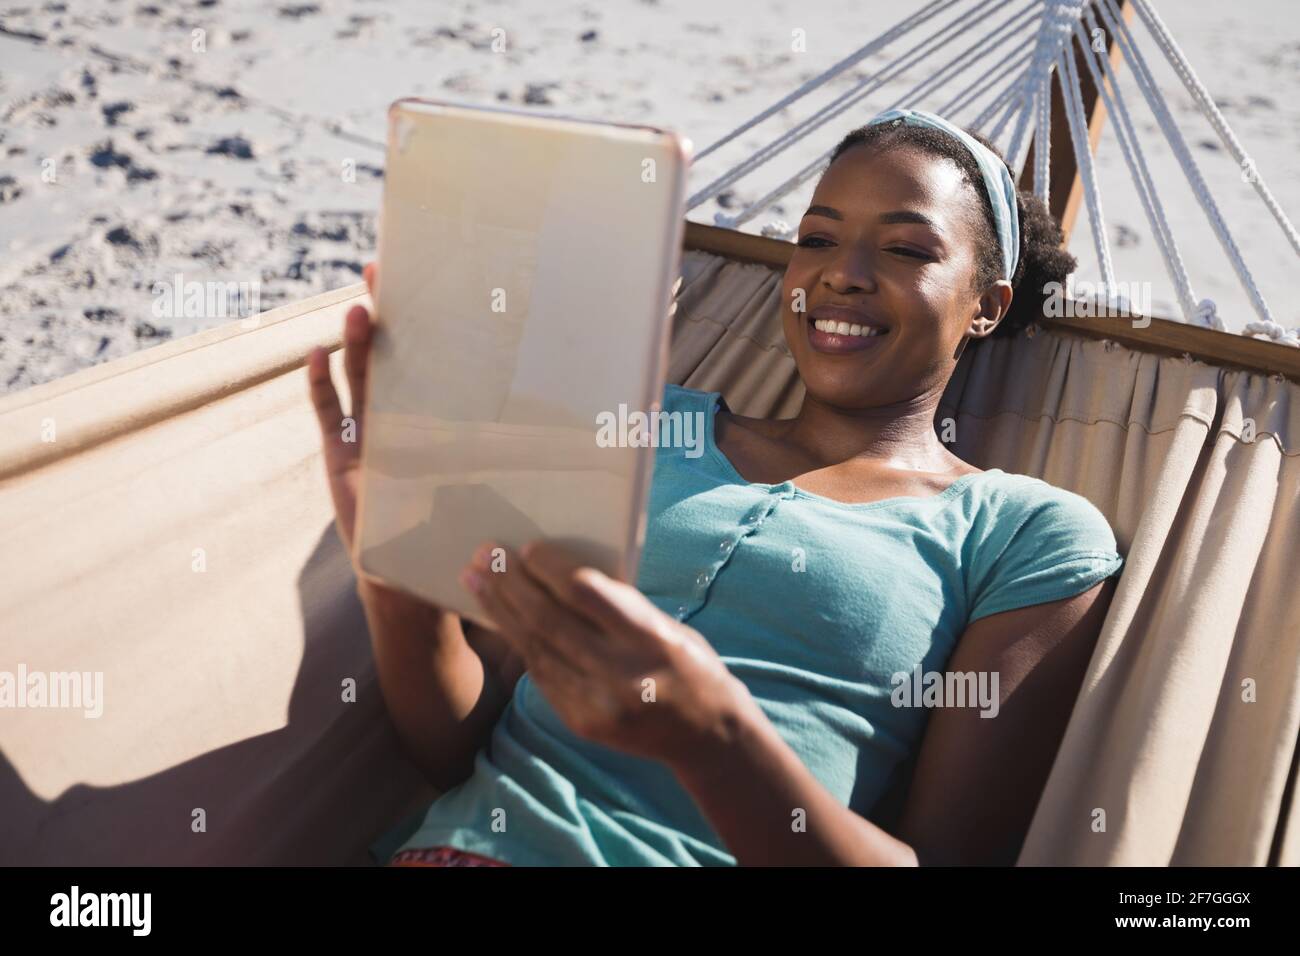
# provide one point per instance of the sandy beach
(240, 142)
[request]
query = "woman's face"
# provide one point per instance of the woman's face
(889, 241)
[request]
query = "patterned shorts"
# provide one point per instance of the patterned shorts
(441, 856)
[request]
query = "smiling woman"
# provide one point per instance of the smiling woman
(951, 212)
(737, 705)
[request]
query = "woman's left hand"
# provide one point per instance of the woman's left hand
(616, 669)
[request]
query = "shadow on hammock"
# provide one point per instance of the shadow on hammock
(318, 791)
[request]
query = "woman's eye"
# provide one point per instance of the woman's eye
(820, 242)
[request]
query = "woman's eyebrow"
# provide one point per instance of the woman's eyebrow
(908, 215)
(826, 211)
(888, 218)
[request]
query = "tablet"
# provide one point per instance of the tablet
(526, 270)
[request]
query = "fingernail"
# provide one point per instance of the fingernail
(472, 581)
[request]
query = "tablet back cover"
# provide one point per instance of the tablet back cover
(526, 265)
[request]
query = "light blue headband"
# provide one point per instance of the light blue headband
(997, 179)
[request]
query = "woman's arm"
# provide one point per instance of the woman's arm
(444, 685)
(977, 781)
(770, 810)
(1040, 654)
(444, 682)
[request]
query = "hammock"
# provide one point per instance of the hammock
(168, 525)
(1060, 47)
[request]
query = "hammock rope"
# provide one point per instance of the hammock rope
(1013, 61)
(1052, 37)
(840, 104)
(935, 8)
(1018, 90)
(1150, 92)
(1126, 135)
(1077, 119)
(968, 57)
(964, 60)
(1043, 140)
(1207, 105)
(1014, 99)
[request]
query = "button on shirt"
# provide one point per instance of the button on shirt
(819, 607)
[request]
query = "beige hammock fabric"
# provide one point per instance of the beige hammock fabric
(222, 688)
(176, 535)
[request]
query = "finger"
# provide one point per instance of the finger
(547, 668)
(500, 614)
(571, 695)
(371, 273)
(541, 637)
(324, 397)
(507, 583)
(357, 332)
(617, 609)
(552, 624)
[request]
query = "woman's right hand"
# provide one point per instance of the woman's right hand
(341, 434)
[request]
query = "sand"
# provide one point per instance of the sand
(242, 143)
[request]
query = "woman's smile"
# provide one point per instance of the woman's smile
(836, 330)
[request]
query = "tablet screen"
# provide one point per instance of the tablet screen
(525, 271)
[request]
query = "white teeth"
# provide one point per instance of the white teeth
(844, 328)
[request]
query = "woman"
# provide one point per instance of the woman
(753, 699)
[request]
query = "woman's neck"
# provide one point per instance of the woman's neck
(900, 435)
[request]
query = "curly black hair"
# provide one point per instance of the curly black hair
(1043, 259)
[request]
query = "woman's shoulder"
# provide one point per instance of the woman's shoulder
(1034, 512)
(1034, 542)
(679, 397)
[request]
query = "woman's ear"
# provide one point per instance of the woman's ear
(993, 305)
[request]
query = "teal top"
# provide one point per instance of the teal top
(814, 604)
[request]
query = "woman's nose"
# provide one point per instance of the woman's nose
(852, 269)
